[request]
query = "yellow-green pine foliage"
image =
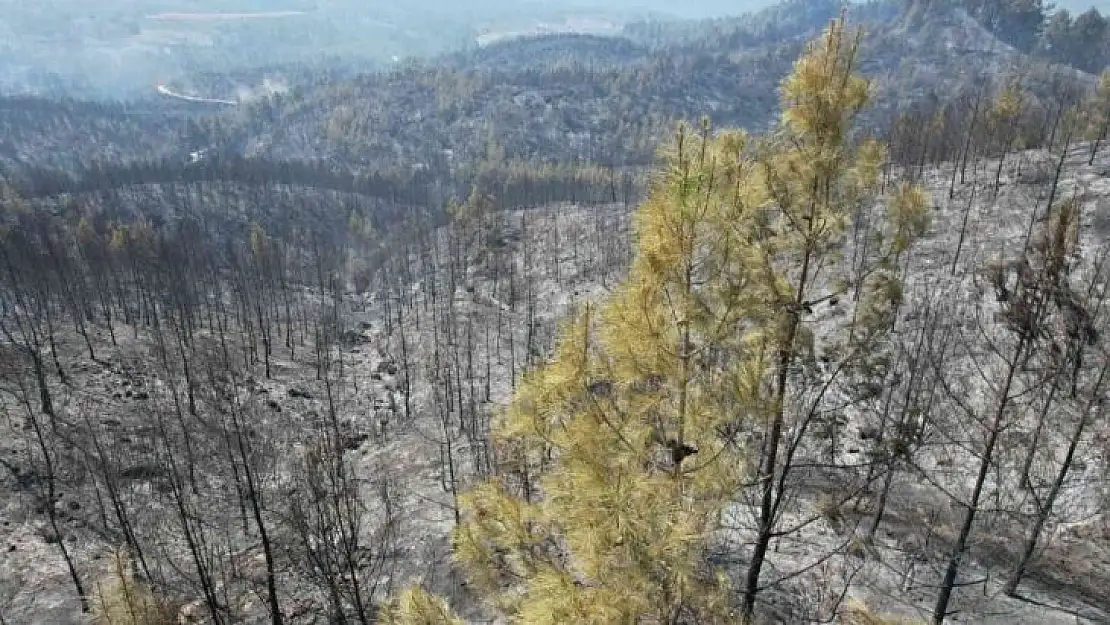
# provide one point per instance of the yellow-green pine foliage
(815, 180)
(1099, 107)
(1104, 90)
(121, 600)
(617, 456)
(1009, 103)
(416, 607)
(856, 613)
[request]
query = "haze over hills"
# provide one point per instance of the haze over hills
(119, 49)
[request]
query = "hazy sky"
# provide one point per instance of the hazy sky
(1083, 5)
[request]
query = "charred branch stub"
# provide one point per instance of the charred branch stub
(680, 452)
(601, 389)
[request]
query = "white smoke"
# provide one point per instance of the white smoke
(270, 87)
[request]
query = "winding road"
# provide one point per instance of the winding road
(211, 17)
(166, 91)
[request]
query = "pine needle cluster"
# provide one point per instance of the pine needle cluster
(120, 599)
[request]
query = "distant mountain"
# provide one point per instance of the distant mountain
(557, 98)
(121, 48)
(691, 9)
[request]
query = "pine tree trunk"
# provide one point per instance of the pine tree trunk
(970, 134)
(769, 460)
(940, 609)
(1045, 510)
(963, 231)
(52, 513)
(1098, 143)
